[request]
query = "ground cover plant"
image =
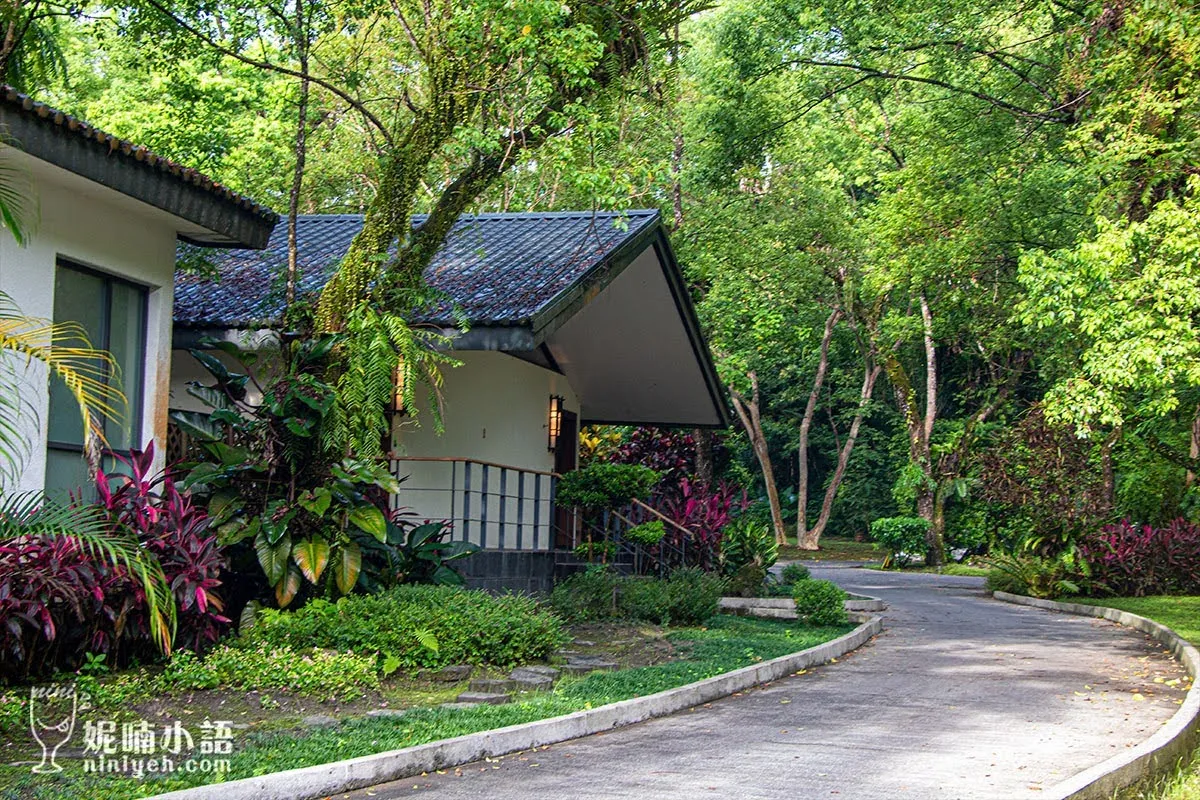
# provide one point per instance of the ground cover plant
(726, 643)
(397, 626)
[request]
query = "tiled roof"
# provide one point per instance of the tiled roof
(498, 269)
(14, 101)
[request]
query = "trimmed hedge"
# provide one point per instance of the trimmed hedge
(819, 602)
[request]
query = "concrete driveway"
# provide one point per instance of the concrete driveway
(961, 696)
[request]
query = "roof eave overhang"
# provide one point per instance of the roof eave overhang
(687, 313)
(231, 226)
(203, 338)
(534, 333)
(516, 338)
(592, 282)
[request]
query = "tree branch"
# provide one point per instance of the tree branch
(272, 67)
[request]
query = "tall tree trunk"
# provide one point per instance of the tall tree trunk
(810, 410)
(677, 151)
(1106, 462)
(812, 536)
(1193, 449)
(704, 454)
(926, 505)
(918, 425)
(301, 151)
(748, 412)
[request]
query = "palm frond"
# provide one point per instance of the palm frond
(63, 347)
(18, 202)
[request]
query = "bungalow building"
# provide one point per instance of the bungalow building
(101, 253)
(575, 318)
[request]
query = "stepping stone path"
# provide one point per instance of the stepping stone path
(490, 698)
(582, 665)
(490, 686)
(451, 674)
(320, 721)
(497, 691)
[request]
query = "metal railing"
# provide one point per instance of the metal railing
(656, 559)
(493, 505)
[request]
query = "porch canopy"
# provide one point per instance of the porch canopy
(595, 296)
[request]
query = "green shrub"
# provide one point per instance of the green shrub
(602, 486)
(648, 533)
(999, 580)
(819, 602)
(747, 581)
(688, 596)
(747, 541)
(598, 550)
(586, 596)
(693, 595)
(645, 599)
(1036, 576)
(900, 535)
(794, 573)
(469, 626)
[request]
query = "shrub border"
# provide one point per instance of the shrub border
(1165, 747)
(337, 777)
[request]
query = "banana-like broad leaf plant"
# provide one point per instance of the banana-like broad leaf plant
(270, 482)
(413, 554)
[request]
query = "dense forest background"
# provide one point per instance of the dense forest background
(946, 252)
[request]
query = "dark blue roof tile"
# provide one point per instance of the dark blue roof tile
(498, 269)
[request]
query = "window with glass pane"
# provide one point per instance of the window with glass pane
(113, 313)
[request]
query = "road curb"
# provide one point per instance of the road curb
(306, 783)
(1162, 750)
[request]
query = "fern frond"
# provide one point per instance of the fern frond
(63, 347)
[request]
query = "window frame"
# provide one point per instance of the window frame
(136, 406)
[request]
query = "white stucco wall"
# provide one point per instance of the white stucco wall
(496, 411)
(107, 232)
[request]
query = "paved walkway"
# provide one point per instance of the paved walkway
(960, 697)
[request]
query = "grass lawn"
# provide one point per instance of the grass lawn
(833, 548)
(1182, 615)
(727, 643)
(1179, 613)
(946, 569)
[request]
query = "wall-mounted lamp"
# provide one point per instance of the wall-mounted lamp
(555, 425)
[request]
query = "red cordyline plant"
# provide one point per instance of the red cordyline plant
(1134, 560)
(672, 454)
(60, 568)
(172, 528)
(704, 510)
